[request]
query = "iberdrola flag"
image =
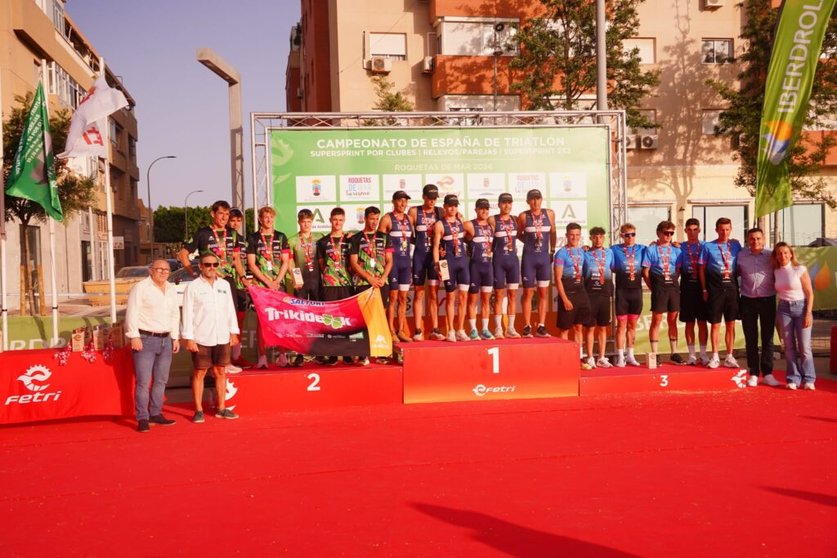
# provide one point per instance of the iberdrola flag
(33, 172)
(790, 75)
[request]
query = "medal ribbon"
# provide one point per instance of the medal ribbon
(222, 243)
(630, 260)
(487, 235)
(404, 227)
(538, 229)
(575, 256)
(371, 249)
(336, 251)
(600, 264)
(427, 222)
(267, 251)
(508, 230)
(454, 232)
(665, 260)
(693, 258)
(727, 257)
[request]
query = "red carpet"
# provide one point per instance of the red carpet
(744, 473)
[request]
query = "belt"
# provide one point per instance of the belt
(152, 334)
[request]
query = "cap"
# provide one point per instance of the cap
(482, 203)
(533, 195)
(431, 191)
(506, 197)
(451, 199)
(400, 195)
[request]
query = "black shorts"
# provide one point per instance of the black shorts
(310, 290)
(665, 297)
(337, 293)
(384, 292)
(206, 357)
(241, 299)
(692, 306)
(723, 305)
(579, 315)
(628, 302)
(599, 310)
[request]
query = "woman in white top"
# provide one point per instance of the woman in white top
(794, 318)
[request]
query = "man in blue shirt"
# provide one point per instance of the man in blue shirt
(574, 306)
(758, 305)
(661, 271)
(717, 279)
(598, 282)
(627, 267)
(692, 307)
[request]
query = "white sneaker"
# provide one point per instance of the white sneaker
(730, 362)
(591, 362)
(692, 361)
(232, 369)
(603, 363)
(364, 361)
(451, 336)
(512, 334)
(585, 366)
(752, 381)
(792, 387)
(418, 335)
(462, 336)
(631, 361)
(809, 386)
(771, 380)
(620, 362)
(713, 363)
(498, 333)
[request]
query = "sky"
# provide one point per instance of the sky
(181, 106)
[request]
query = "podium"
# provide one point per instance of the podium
(436, 371)
(666, 377)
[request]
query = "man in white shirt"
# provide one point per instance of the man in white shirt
(209, 328)
(152, 322)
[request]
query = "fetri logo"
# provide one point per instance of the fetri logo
(778, 140)
(481, 390)
(34, 379)
(740, 378)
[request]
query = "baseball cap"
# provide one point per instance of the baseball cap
(451, 199)
(506, 197)
(482, 203)
(533, 195)
(400, 194)
(431, 191)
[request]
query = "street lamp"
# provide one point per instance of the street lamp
(186, 214)
(498, 52)
(225, 71)
(148, 185)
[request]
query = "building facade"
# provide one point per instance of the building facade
(450, 55)
(38, 32)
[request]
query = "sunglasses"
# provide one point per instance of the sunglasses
(629, 235)
(668, 233)
(213, 264)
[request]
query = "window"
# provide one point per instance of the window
(711, 121)
(389, 45)
(646, 218)
(115, 132)
(801, 224)
(716, 51)
(646, 46)
(708, 214)
(68, 91)
(132, 146)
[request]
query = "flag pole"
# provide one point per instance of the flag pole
(3, 275)
(52, 273)
(109, 208)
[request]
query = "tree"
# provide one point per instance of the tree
(557, 60)
(169, 223)
(387, 100)
(76, 192)
(741, 121)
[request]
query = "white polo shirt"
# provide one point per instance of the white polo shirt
(208, 312)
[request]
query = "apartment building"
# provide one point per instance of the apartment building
(34, 32)
(449, 55)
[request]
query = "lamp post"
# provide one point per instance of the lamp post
(148, 185)
(498, 52)
(225, 71)
(186, 214)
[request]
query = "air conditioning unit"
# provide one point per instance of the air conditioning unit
(427, 65)
(379, 64)
(631, 141)
(648, 141)
(712, 4)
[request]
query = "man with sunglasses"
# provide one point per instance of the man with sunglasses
(718, 263)
(692, 307)
(627, 266)
(209, 328)
(661, 271)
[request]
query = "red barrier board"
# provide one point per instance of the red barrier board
(34, 386)
(437, 371)
(667, 377)
(313, 387)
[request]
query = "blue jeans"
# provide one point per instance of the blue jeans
(797, 341)
(151, 363)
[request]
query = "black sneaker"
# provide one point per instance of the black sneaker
(676, 358)
(348, 360)
(142, 426)
(299, 360)
(160, 419)
(197, 418)
(527, 331)
(541, 331)
(225, 414)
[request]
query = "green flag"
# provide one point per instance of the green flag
(790, 75)
(33, 173)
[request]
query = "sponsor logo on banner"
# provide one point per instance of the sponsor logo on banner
(574, 211)
(334, 322)
(34, 380)
(362, 187)
(568, 185)
(520, 183)
(229, 393)
(447, 184)
(380, 342)
(481, 390)
(740, 379)
(410, 183)
(488, 186)
(321, 189)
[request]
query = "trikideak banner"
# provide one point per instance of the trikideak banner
(793, 63)
(822, 268)
(355, 168)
